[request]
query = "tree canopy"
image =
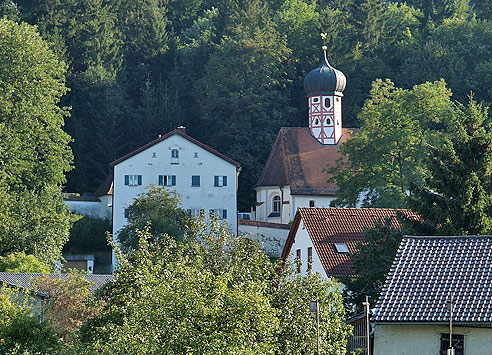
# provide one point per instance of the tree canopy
(455, 199)
(211, 294)
(232, 72)
(157, 209)
(385, 156)
(34, 149)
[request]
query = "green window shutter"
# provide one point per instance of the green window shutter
(127, 179)
(161, 180)
(224, 180)
(139, 179)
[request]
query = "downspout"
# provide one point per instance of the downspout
(281, 202)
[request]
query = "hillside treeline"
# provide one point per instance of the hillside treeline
(231, 71)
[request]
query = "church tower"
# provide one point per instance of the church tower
(324, 86)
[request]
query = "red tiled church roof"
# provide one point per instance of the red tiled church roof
(167, 135)
(297, 159)
(327, 226)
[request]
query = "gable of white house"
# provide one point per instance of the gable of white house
(301, 245)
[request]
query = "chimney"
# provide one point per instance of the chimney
(182, 129)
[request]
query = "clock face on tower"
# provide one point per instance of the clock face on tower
(321, 120)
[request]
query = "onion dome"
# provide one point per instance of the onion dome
(324, 80)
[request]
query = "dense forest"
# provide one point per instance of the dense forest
(231, 71)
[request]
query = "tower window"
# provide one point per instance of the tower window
(276, 204)
(316, 121)
(174, 156)
(315, 99)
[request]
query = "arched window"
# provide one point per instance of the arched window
(276, 204)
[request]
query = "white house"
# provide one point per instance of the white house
(412, 314)
(295, 173)
(98, 205)
(205, 179)
(321, 239)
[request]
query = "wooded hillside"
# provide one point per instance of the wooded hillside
(231, 71)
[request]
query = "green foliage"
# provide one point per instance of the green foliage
(232, 71)
(157, 208)
(21, 329)
(34, 150)
(210, 294)
(372, 262)
(385, 156)
(21, 263)
(455, 199)
(87, 235)
(297, 330)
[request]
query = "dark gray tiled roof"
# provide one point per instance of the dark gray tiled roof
(427, 269)
(25, 280)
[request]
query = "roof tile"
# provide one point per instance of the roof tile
(426, 270)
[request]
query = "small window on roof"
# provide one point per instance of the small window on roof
(341, 248)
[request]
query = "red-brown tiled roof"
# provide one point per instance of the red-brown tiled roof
(106, 187)
(167, 135)
(297, 159)
(327, 226)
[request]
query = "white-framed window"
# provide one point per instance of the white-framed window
(133, 180)
(195, 180)
(310, 258)
(219, 213)
(276, 204)
(167, 180)
(220, 180)
(195, 212)
(175, 156)
(298, 260)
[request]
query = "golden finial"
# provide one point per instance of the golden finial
(323, 37)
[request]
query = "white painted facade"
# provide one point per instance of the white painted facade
(288, 203)
(271, 239)
(407, 339)
(302, 243)
(98, 209)
(144, 169)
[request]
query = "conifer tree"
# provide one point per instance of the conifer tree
(456, 199)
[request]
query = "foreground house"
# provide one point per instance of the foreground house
(321, 239)
(413, 306)
(26, 281)
(295, 173)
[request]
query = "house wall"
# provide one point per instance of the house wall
(303, 201)
(265, 194)
(90, 208)
(426, 339)
(272, 239)
(193, 160)
(303, 242)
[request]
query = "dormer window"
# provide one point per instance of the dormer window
(174, 156)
